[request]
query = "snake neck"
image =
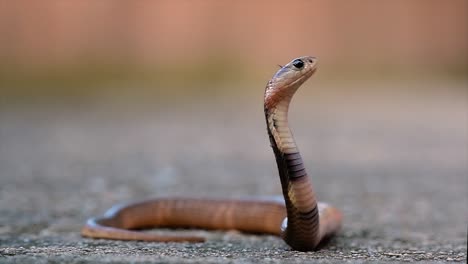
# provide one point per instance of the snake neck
(301, 227)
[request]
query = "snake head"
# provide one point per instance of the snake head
(288, 79)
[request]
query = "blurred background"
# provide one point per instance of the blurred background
(84, 43)
(107, 101)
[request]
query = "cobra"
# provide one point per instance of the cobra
(300, 220)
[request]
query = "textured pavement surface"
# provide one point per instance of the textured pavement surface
(394, 162)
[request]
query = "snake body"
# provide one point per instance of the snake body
(299, 220)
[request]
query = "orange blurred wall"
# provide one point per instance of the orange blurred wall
(148, 32)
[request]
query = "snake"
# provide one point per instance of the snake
(301, 221)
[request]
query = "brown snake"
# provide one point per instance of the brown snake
(300, 220)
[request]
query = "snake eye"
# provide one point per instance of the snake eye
(298, 63)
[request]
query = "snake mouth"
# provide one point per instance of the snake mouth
(302, 78)
(313, 70)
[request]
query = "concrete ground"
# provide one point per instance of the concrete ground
(394, 162)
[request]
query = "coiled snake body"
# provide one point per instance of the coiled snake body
(300, 220)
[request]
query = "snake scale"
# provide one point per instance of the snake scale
(299, 220)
